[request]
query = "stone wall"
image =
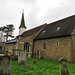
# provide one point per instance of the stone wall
(20, 44)
(9, 48)
(24, 40)
(27, 39)
(55, 48)
(73, 41)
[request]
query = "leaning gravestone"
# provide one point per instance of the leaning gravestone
(63, 68)
(5, 64)
(21, 57)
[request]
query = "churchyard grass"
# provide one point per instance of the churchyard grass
(42, 67)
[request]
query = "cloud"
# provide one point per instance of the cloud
(36, 12)
(42, 12)
(65, 9)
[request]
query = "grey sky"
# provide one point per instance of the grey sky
(37, 12)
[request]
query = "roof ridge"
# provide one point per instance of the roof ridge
(34, 28)
(63, 27)
(61, 19)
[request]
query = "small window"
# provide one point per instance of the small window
(44, 45)
(58, 29)
(57, 43)
(44, 31)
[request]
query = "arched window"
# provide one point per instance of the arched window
(44, 45)
(26, 47)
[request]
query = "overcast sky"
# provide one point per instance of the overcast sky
(36, 12)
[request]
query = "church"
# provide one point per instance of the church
(48, 41)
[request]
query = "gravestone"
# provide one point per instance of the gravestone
(21, 57)
(34, 61)
(15, 54)
(29, 55)
(5, 64)
(63, 68)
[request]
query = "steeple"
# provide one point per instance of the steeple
(22, 25)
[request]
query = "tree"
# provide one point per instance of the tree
(1, 35)
(8, 30)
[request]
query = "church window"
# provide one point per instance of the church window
(57, 43)
(44, 31)
(58, 29)
(44, 45)
(26, 47)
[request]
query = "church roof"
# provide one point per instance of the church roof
(32, 31)
(59, 28)
(11, 41)
(22, 25)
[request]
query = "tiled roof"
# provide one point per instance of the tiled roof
(59, 28)
(11, 41)
(32, 31)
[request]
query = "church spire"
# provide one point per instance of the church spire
(22, 24)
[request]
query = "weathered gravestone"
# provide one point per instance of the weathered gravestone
(5, 64)
(21, 57)
(63, 68)
(29, 56)
(34, 61)
(15, 54)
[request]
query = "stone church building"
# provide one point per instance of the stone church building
(48, 41)
(24, 41)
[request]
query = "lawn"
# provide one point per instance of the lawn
(42, 67)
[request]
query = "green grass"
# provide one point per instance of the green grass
(42, 67)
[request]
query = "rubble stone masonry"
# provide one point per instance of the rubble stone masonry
(55, 48)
